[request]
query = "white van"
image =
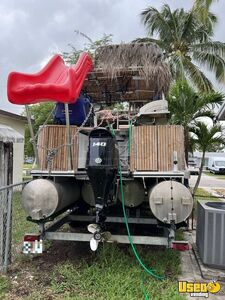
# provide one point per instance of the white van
(217, 165)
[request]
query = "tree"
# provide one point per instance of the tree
(39, 114)
(90, 47)
(186, 105)
(187, 44)
(205, 138)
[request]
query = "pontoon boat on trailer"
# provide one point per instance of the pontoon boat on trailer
(118, 164)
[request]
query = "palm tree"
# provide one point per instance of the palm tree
(205, 138)
(186, 105)
(187, 44)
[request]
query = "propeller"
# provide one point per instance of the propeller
(92, 228)
(98, 235)
(94, 244)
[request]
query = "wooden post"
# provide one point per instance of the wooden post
(68, 138)
(32, 135)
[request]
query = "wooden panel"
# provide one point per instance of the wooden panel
(52, 137)
(144, 149)
(153, 148)
(170, 139)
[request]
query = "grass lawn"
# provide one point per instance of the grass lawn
(27, 166)
(26, 178)
(202, 193)
(69, 270)
(218, 176)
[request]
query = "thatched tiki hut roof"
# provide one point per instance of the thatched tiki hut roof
(133, 72)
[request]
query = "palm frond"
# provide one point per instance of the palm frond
(211, 47)
(176, 66)
(201, 9)
(197, 77)
(213, 62)
(210, 100)
(155, 22)
(204, 113)
(188, 27)
(187, 41)
(183, 98)
(204, 3)
(205, 137)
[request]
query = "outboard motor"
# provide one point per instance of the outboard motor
(102, 167)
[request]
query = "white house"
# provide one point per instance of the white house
(17, 123)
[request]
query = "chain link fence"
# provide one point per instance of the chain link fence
(6, 196)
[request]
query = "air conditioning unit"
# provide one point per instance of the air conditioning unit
(210, 234)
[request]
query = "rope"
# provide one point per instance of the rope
(50, 155)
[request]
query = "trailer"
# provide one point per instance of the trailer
(120, 174)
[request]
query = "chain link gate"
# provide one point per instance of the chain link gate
(8, 136)
(5, 227)
(6, 201)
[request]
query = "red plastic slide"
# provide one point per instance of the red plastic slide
(55, 82)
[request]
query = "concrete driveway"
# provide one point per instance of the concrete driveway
(208, 181)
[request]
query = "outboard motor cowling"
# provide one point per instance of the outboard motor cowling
(102, 167)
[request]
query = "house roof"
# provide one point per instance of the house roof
(10, 135)
(13, 116)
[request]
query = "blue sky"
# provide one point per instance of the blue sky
(31, 30)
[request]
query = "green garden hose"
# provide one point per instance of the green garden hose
(147, 270)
